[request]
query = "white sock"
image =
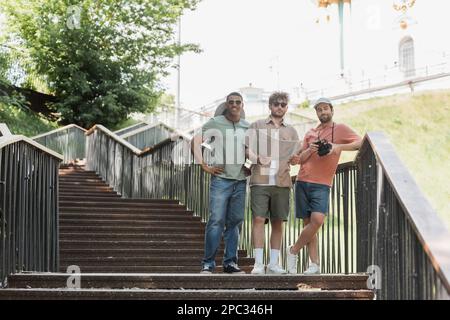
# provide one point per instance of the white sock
(274, 254)
(258, 253)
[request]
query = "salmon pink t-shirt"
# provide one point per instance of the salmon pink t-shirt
(321, 170)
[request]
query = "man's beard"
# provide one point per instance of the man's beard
(275, 115)
(325, 119)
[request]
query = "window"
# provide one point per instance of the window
(406, 57)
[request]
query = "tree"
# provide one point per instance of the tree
(102, 59)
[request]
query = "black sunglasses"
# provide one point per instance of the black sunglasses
(237, 102)
(282, 104)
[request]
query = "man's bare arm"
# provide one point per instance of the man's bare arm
(196, 148)
(355, 145)
(304, 155)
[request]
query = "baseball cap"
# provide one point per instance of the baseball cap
(322, 100)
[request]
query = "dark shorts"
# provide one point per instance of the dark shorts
(270, 202)
(311, 197)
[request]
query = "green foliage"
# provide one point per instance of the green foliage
(304, 105)
(166, 102)
(419, 127)
(3, 65)
(12, 99)
(22, 121)
(123, 124)
(103, 59)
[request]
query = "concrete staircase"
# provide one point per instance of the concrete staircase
(152, 249)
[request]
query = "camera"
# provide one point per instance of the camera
(324, 147)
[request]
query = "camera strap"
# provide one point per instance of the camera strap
(332, 134)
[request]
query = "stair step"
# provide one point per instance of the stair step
(143, 261)
(128, 236)
(85, 183)
(128, 223)
(79, 179)
(78, 174)
(76, 171)
(104, 244)
(135, 294)
(191, 281)
(129, 216)
(139, 252)
(120, 206)
(109, 209)
(95, 199)
(108, 194)
(143, 205)
(173, 269)
(147, 229)
(83, 188)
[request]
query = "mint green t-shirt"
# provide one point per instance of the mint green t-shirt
(228, 148)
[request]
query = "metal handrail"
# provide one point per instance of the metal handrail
(149, 135)
(405, 229)
(11, 139)
(131, 128)
(152, 125)
(176, 134)
(58, 130)
(115, 137)
(142, 129)
(68, 140)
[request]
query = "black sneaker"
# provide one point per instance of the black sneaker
(206, 270)
(232, 268)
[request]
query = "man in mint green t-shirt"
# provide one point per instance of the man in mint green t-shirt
(225, 134)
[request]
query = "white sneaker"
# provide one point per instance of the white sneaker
(312, 269)
(275, 269)
(258, 268)
(291, 261)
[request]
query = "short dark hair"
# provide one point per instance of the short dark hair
(234, 94)
(278, 95)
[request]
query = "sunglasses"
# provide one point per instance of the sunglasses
(282, 104)
(237, 102)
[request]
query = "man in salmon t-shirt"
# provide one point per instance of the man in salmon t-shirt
(312, 190)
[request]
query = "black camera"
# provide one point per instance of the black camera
(324, 147)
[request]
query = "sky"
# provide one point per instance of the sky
(276, 44)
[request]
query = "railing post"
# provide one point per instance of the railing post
(172, 180)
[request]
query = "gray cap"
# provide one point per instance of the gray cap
(322, 100)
